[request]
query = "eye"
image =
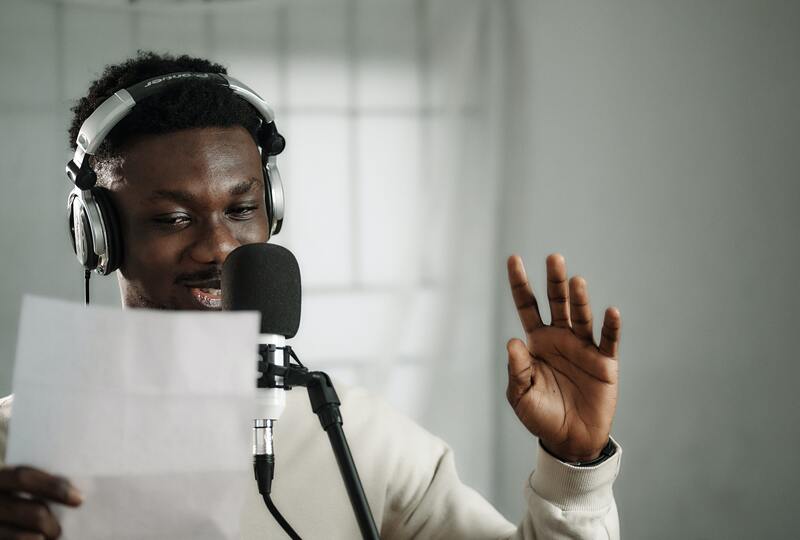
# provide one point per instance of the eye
(243, 212)
(171, 220)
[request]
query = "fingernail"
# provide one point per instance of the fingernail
(74, 496)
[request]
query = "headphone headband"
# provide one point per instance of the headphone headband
(97, 126)
(95, 235)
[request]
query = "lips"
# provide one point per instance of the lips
(210, 298)
(207, 293)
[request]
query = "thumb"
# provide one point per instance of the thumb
(520, 371)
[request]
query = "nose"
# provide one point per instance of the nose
(214, 242)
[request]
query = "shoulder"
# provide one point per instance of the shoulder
(369, 411)
(401, 445)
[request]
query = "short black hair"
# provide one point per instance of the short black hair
(192, 104)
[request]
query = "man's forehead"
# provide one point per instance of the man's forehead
(208, 155)
(190, 196)
(189, 142)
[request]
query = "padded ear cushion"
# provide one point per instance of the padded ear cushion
(270, 204)
(80, 234)
(71, 225)
(91, 257)
(111, 222)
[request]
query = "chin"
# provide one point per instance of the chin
(210, 308)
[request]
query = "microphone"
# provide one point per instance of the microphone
(265, 278)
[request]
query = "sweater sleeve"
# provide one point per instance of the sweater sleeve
(563, 501)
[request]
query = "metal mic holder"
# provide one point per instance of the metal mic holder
(325, 404)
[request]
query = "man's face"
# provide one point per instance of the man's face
(186, 200)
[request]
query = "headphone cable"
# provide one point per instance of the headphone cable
(86, 275)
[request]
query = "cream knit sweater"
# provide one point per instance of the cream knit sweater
(410, 481)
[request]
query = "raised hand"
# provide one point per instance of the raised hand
(562, 386)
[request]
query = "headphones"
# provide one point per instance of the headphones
(93, 222)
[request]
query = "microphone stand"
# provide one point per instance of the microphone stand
(325, 404)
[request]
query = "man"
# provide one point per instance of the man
(183, 171)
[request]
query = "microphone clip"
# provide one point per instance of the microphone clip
(284, 374)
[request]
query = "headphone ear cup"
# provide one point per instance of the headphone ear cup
(80, 233)
(111, 224)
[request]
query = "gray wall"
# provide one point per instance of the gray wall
(659, 152)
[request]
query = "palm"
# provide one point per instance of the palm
(562, 386)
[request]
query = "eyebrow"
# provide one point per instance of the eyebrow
(184, 197)
(243, 187)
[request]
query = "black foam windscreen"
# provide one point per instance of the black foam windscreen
(265, 278)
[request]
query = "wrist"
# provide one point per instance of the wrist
(588, 460)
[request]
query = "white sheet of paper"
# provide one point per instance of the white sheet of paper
(149, 413)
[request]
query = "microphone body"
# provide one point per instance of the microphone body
(272, 401)
(265, 278)
(270, 404)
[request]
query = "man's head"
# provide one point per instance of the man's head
(185, 176)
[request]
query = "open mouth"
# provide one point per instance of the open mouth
(210, 298)
(208, 294)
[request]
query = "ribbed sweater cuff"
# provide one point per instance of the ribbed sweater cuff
(575, 488)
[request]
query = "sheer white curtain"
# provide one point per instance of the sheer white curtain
(393, 171)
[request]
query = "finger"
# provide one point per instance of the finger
(580, 310)
(609, 337)
(524, 300)
(40, 484)
(30, 516)
(520, 371)
(13, 533)
(557, 291)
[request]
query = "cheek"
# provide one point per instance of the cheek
(252, 231)
(148, 255)
(144, 254)
(150, 262)
(155, 250)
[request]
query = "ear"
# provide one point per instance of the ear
(109, 169)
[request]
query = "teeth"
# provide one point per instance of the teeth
(215, 292)
(210, 298)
